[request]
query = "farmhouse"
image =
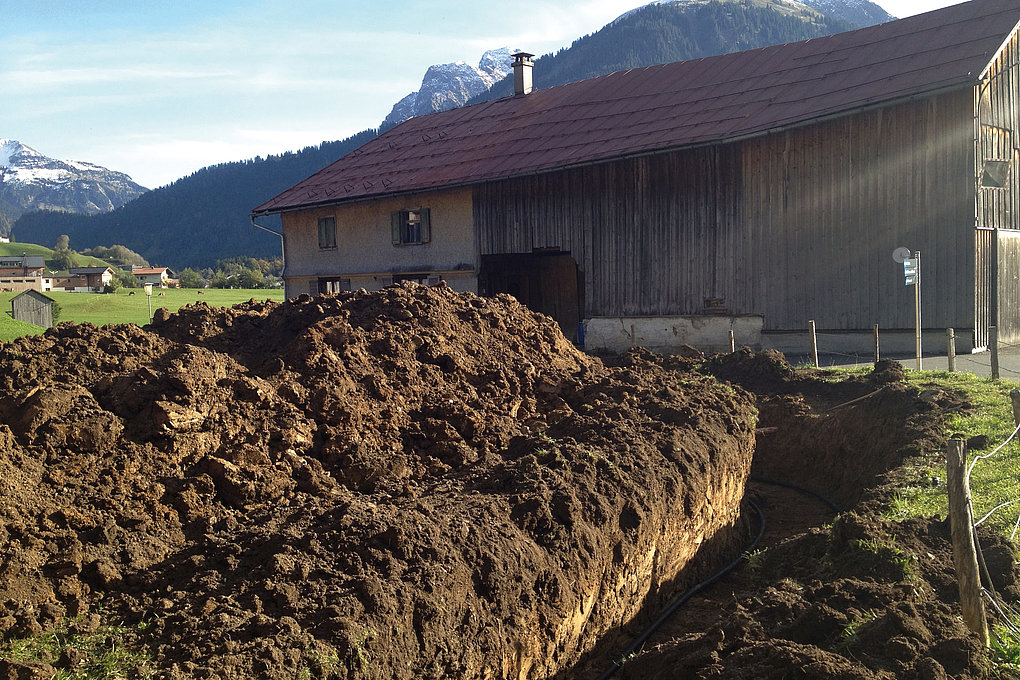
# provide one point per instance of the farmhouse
(86, 279)
(751, 192)
(157, 276)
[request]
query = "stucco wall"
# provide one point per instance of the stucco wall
(365, 252)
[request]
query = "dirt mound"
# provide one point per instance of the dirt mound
(408, 484)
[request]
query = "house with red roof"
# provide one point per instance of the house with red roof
(159, 277)
(750, 192)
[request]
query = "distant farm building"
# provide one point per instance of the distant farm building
(32, 306)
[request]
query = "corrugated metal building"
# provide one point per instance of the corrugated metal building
(751, 191)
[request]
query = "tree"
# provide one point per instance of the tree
(189, 278)
(250, 278)
(63, 243)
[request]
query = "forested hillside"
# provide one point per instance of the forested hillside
(660, 34)
(198, 219)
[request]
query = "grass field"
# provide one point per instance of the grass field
(120, 307)
(18, 249)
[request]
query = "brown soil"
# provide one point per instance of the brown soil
(423, 484)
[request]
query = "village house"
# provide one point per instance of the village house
(85, 279)
(160, 277)
(24, 272)
(750, 192)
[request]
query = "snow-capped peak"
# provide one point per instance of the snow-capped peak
(31, 181)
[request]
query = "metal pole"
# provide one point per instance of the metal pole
(917, 310)
(993, 345)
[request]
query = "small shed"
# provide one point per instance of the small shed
(33, 307)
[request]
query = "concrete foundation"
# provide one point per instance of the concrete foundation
(710, 334)
(666, 334)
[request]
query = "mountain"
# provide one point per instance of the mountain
(32, 181)
(677, 30)
(859, 13)
(198, 219)
(447, 86)
(204, 217)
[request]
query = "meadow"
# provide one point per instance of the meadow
(122, 307)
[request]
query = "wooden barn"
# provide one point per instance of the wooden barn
(32, 306)
(751, 192)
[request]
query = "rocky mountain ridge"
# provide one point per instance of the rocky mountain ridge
(447, 86)
(30, 180)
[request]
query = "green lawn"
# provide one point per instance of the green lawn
(18, 249)
(120, 307)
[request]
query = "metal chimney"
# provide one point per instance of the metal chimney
(522, 73)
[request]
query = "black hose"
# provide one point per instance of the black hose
(672, 607)
(803, 489)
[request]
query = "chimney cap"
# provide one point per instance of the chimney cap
(522, 56)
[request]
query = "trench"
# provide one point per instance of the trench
(819, 446)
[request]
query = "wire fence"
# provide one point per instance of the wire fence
(823, 350)
(1007, 616)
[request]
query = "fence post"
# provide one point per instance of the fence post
(814, 342)
(993, 345)
(961, 524)
(877, 357)
(733, 342)
(1014, 398)
(951, 349)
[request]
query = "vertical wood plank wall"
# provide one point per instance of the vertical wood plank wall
(998, 208)
(795, 226)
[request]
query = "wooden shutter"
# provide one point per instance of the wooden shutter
(426, 225)
(395, 226)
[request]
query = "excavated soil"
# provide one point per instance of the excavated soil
(424, 484)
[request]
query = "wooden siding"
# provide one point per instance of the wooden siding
(1008, 317)
(795, 226)
(984, 274)
(998, 208)
(33, 308)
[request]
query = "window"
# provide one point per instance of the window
(334, 285)
(411, 227)
(995, 174)
(327, 233)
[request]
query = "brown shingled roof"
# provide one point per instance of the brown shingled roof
(669, 106)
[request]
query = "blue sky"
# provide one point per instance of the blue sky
(161, 88)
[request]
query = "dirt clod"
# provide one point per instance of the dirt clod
(418, 483)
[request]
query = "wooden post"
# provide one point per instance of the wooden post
(1014, 397)
(917, 310)
(733, 342)
(993, 345)
(877, 355)
(814, 342)
(961, 524)
(633, 338)
(951, 349)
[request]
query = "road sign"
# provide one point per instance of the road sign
(910, 271)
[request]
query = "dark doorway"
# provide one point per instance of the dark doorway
(549, 283)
